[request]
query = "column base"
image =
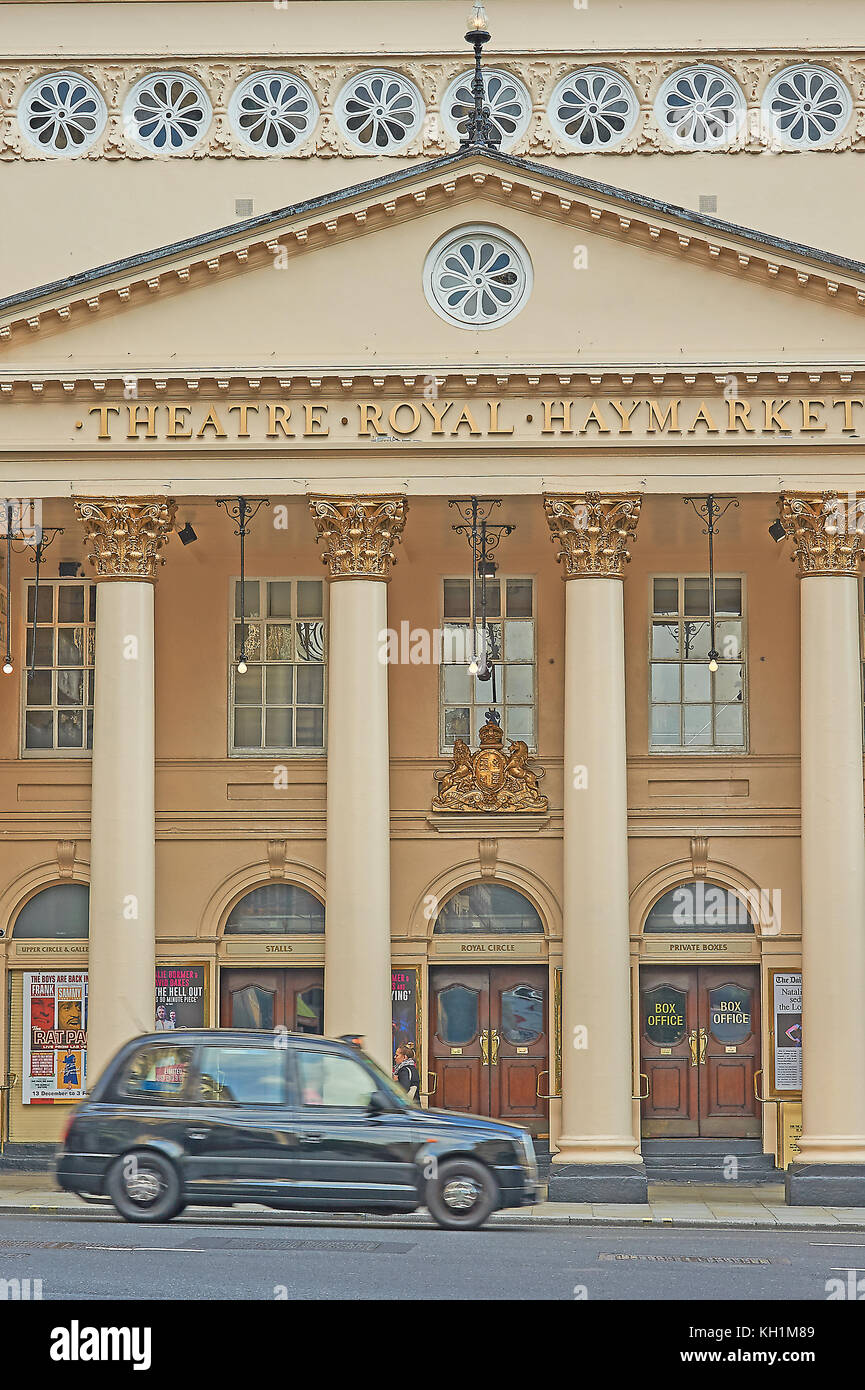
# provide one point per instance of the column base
(598, 1182)
(825, 1185)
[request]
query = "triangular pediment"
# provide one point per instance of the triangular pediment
(335, 286)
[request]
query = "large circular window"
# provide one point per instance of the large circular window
(508, 101)
(806, 106)
(167, 112)
(60, 911)
(478, 278)
(700, 108)
(593, 108)
(276, 908)
(62, 114)
(379, 111)
(272, 111)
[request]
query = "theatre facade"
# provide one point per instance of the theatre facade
(408, 654)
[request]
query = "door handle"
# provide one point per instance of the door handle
(311, 1138)
(197, 1134)
(433, 1076)
(692, 1043)
(642, 1096)
(495, 1041)
(704, 1043)
(485, 1047)
(557, 1095)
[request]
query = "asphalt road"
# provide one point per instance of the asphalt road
(96, 1257)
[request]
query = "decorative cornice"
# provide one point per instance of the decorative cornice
(359, 534)
(827, 531)
(431, 73)
(592, 532)
(126, 534)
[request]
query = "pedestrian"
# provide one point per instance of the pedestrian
(406, 1072)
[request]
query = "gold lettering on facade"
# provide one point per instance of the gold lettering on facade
(670, 416)
(103, 411)
(810, 422)
(135, 423)
(552, 414)
(394, 420)
(278, 414)
(738, 411)
(212, 421)
(315, 425)
(174, 422)
(703, 417)
(772, 416)
(242, 425)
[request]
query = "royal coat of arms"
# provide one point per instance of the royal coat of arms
(490, 779)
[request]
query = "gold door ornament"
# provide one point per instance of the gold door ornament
(491, 779)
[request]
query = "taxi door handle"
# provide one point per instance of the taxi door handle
(196, 1135)
(311, 1138)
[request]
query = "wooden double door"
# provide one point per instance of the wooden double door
(699, 1049)
(289, 998)
(489, 1041)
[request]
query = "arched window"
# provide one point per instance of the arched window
(277, 908)
(488, 909)
(699, 906)
(60, 911)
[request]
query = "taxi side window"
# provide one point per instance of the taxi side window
(326, 1078)
(241, 1075)
(158, 1072)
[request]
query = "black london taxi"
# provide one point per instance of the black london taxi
(292, 1121)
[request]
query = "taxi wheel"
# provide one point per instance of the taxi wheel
(145, 1186)
(462, 1194)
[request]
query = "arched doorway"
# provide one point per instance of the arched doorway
(283, 996)
(489, 1018)
(700, 1017)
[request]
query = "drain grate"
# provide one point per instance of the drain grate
(694, 1259)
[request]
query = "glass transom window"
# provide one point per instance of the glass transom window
(465, 699)
(488, 909)
(58, 675)
(279, 701)
(691, 708)
(479, 277)
(276, 908)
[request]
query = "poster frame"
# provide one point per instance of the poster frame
(774, 1092)
(186, 965)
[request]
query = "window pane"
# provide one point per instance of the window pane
(493, 598)
(519, 684)
(39, 688)
(252, 647)
(728, 595)
(310, 593)
(698, 683)
(521, 723)
(458, 1016)
(696, 639)
(91, 603)
(665, 639)
(247, 728)
(728, 683)
(241, 1075)
(456, 725)
(70, 646)
(44, 646)
(39, 729)
(456, 684)
(250, 598)
(730, 725)
(309, 639)
(247, 687)
(70, 687)
(328, 1079)
(310, 685)
(251, 1007)
(520, 641)
(280, 685)
(696, 597)
(278, 728)
(279, 644)
(46, 603)
(279, 598)
(665, 681)
(70, 728)
(159, 1071)
(456, 643)
(698, 724)
(665, 725)
(70, 603)
(666, 596)
(483, 690)
(519, 598)
(309, 728)
(728, 636)
(456, 598)
(522, 1014)
(480, 719)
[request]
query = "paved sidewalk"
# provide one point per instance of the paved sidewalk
(725, 1205)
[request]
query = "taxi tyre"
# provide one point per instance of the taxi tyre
(158, 1171)
(458, 1181)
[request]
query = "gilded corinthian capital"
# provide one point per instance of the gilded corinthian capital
(359, 534)
(826, 531)
(126, 534)
(592, 531)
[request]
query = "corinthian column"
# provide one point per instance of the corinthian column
(598, 1158)
(359, 535)
(125, 537)
(830, 1166)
